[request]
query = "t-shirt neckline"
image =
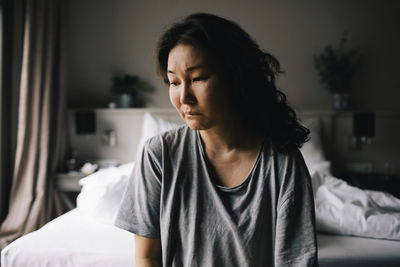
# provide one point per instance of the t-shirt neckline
(209, 172)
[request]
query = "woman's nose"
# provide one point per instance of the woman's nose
(187, 96)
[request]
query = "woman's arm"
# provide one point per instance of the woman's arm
(295, 237)
(147, 252)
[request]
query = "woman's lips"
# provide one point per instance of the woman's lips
(191, 114)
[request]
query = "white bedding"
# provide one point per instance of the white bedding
(72, 240)
(347, 210)
(76, 240)
(344, 209)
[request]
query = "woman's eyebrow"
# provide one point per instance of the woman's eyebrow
(192, 68)
(189, 69)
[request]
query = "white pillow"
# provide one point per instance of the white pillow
(312, 150)
(153, 126)
(102, 192)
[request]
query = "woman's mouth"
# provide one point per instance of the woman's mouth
(191, 114)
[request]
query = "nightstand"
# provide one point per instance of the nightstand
(374, 181)
(68, 186)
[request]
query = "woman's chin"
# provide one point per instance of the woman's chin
(195, 125)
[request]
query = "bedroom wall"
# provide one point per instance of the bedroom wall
(105, 37)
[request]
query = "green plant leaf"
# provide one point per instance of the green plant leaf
(336, 65)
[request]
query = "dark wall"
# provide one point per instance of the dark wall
(107, 37)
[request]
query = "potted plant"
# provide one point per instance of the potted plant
(131, 90)
(336, 67)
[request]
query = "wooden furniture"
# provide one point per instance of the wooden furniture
(68, 186)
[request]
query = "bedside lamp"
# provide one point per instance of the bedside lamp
(363, 129)
(110, 138)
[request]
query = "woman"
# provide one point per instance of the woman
(230, 188)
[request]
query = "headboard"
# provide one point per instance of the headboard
(336, 133)
(127, 126)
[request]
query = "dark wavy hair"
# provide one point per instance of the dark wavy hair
(255, 99)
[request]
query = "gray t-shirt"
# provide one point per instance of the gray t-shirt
(268, 220)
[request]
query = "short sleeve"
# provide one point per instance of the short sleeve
(139, 212)
(295, 238)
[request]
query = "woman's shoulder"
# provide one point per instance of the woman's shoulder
(170, 146)
(177, 132)
(291, 170)
(171, 138)
(289, 152)
(288, 160)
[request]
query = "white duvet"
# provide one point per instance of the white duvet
(344, 209)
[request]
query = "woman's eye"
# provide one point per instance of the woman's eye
(198, 79)
(173, 83)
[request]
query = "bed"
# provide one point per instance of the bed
(85, 236)
(75, 239)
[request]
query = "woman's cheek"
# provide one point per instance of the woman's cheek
(174, 98)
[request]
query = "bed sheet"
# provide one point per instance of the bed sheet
(72, 240)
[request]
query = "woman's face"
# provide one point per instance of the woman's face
(197, 88)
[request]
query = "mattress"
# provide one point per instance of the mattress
(77, 240)
(343, 251)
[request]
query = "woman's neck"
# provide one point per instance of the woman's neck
(225, 139)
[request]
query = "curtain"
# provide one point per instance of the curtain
(40, 140)
(6, 127)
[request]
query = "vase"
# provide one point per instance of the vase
(340, 101)
(125, 101)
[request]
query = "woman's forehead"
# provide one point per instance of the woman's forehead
(187, 57)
